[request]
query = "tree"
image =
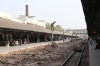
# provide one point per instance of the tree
(68, 30)
(48, 25)
(58, 28)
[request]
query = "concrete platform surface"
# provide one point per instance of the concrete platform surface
(94, 55)
(5, 50)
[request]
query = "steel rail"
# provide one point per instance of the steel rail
(71, 55)
(78, 64)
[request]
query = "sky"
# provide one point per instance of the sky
(67, 13)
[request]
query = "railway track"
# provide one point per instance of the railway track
(26, 58)
(75, 58)
(72, 60)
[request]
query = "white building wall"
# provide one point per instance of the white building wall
(16, 20)
(31, 20)
(23, 19)
(5, 15)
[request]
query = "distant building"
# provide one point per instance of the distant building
(42, 21)
(31, 20)
(4, 15)
(16, 20)
(23, 19)
(81, 33)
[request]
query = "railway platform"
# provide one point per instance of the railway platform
(94, 55)
(5, 50)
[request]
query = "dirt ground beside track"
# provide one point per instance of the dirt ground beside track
(46, 55)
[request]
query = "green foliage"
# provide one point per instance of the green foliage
(67, 30)
(58, 28)
(48, 25)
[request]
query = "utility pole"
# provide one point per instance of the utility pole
(63, 36)
(52, 29)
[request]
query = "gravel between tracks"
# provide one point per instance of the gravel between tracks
(47, 55)
(85, 58)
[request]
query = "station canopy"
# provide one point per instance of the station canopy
(20, 26)
(91, 10)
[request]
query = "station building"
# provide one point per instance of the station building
(81, 33)
(25, 27)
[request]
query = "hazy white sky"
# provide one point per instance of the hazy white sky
(67, 13)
